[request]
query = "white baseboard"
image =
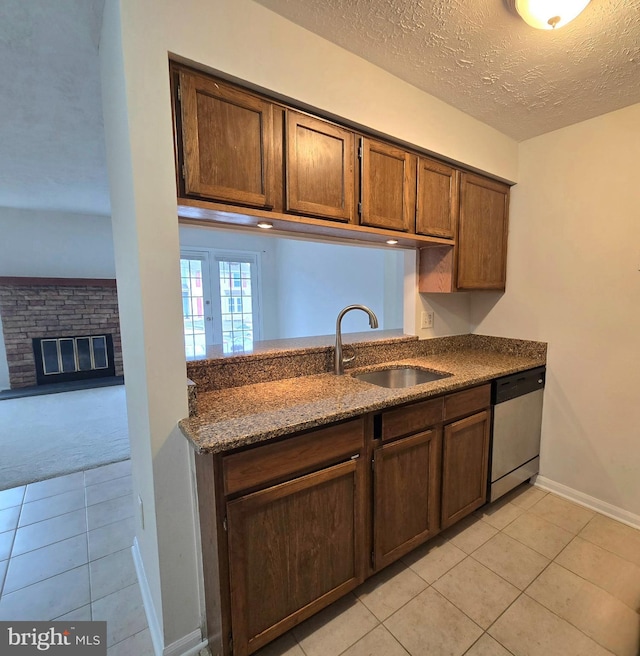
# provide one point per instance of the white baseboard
(155, 629)
(582, 499)
(189, 645)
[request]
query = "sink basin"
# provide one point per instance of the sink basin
(400, 377)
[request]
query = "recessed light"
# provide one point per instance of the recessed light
(392, 242)
(265, 225)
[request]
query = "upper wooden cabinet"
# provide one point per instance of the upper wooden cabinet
(227, 142)
(319, 168)
(387, 186)
(482, 233)
(437, 200)
(239, 152)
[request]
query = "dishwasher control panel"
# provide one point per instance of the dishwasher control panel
(524, 382)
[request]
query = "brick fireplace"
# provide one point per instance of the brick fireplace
(43, 308)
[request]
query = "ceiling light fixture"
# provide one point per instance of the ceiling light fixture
(265, 225)
(548, 14)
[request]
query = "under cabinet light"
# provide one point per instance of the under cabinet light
(265, 225)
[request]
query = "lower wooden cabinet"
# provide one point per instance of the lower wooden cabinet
(465, 459)
(302, 521)
(293, 548)
(406, 495)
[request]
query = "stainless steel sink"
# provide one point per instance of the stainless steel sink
(400, 377)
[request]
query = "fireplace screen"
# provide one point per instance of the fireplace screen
(73, 358)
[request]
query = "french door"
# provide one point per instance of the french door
(220, 301)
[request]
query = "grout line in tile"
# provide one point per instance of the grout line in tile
(483, 565)
(486, 633)
(524, 592)
(138, 633)
(49, 496)
(72, 610)
(109, 480)
(451, 602)
(378, 625)
(95, 560)
(120, 496)
(615, 553)
(109, 523)
(50, 543)
(44, 579)
(568, 621)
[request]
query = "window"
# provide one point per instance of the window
(236, 296)
(219, 302)
(193, 305)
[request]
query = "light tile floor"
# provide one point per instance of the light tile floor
(65, 553)
(531, 575)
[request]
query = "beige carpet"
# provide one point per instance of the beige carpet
(46, 436)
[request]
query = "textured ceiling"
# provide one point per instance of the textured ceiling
(474, 54)
(482, 58)
(51, 132)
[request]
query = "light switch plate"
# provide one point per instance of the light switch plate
(426, 320)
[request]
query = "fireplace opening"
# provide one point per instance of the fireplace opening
(62, 359)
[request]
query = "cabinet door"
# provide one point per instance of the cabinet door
(482, 233)
(387, 184)
(406, 495)
(437, 199)
(319, 168)
(465, 462)
(227, 142)
(293, 548)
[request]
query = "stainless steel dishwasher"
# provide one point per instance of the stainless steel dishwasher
(517, 420)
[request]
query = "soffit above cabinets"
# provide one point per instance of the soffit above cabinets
(483, 59)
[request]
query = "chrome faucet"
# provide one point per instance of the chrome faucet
(338, 359)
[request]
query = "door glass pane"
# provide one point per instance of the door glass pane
(84, 353)
(100, 352)
(193, 304)
(236, 305)
(50, 356)
(68, 355)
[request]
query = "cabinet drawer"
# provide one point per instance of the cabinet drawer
(464, 403)
(296, 455)
(412, 418)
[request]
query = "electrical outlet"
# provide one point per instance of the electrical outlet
(426, 320)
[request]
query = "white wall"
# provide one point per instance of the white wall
(573, 280)
(38, 244)
(317, 280)
(451, 314)
(219, 238)
(247, 41)
(305, 283)
(41, 244)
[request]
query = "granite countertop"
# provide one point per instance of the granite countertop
(230, 418)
